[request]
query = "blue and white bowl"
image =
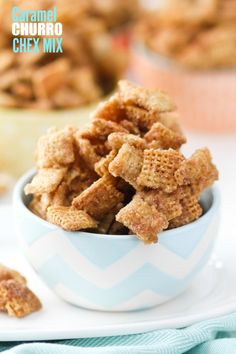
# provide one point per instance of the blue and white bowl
(116, 273)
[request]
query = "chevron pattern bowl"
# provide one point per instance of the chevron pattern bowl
(116, 273)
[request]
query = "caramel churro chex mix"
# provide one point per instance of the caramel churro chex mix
(124, 173)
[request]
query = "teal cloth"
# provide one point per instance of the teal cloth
(208, 337)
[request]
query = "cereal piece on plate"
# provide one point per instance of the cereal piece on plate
(143, 219)
(164, 137)
(127, 164)
(101, 128)
(7, 273)
(87, 152)
(55, 149)
(198, 170)
(16, 299)
(70, 219)
(45, 181)
(101, 167)
(99, 198)
(116, 140)
(166, 203)
(150, 100)
(191, 209)
(158, 170)
(110, 109)
(142, 118)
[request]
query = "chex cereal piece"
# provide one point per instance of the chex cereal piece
(130, 126)
(164, 137)
(87, 152)
(191, 209)
(48, 78)
(116, 140)
(7, 273)
(16, 299)
(45, 181)
(101, 167)
(105, 224)
(142, 118)
(117, 229)
(158, 170)
(40, 203)
(70, 219)
(110, 109)
(60, 196)
(171, 121)
(127, 164)
(151, 100)
(198, 170)
(143, 219)
(55, 149)
(166, 203)
(101, 128)
(99, 198)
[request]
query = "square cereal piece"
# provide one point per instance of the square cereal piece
(17, 300)
(48, 78)
(105, 224)
(99, 198)
(70, 219)
(171, 121)
(110, 109)
(7, 274)
(101, 167)
(101, 128)
(198, 170)
(164, 137)
(142, 118)
(116, 140)
(143, 219)
(191, 209)
(45, 181)
(158, 170)
(150, 100)
(130, 126)
(127, 164)
(166, 203)
(55, 149)
(87, 152)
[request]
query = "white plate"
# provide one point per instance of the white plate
(212, 294)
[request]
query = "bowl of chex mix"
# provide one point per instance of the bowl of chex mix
(189, 49)
(39, 89)
(115, 217)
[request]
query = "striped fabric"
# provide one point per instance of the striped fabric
(209, 337)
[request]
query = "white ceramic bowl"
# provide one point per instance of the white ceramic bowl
(116, 273)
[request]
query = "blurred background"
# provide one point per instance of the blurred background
(184, 47)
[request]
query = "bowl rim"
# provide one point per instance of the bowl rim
(24, 179)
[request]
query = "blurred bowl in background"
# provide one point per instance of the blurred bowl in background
(205, 99)
(20, 130)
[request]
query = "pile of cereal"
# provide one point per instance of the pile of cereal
(15, 297)
(85, 71)
(196, 34)
(124, 173)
